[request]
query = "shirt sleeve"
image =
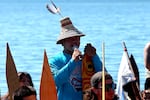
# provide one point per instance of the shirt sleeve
(61, 75)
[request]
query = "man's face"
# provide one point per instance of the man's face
(69, 43)
(109, 90)
(25, 81)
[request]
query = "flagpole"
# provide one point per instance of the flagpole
(131, 67)
(127, 55)
(103, 71)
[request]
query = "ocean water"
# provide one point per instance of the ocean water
(30, 29)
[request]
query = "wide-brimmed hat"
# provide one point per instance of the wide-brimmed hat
(67, 30)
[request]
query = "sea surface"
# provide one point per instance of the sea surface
(29, 29)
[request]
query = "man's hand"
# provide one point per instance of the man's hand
(76, 54)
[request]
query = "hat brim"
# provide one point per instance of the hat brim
(68, 34)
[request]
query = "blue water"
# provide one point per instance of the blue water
(29, 29)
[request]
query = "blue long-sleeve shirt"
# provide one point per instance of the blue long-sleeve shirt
(67, 75)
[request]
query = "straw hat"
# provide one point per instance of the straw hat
(67, 30)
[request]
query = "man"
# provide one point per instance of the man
(146, 92)
(96, 84)
(25, 79)
(25, 93)
(147, 64)
(66, 66)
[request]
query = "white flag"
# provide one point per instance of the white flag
(125, 75)
(53, 9)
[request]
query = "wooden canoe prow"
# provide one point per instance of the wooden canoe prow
(47, 84)
(11, 73)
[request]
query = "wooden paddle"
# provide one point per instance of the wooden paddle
(47, 84)
(11, 73)
(103, 71)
